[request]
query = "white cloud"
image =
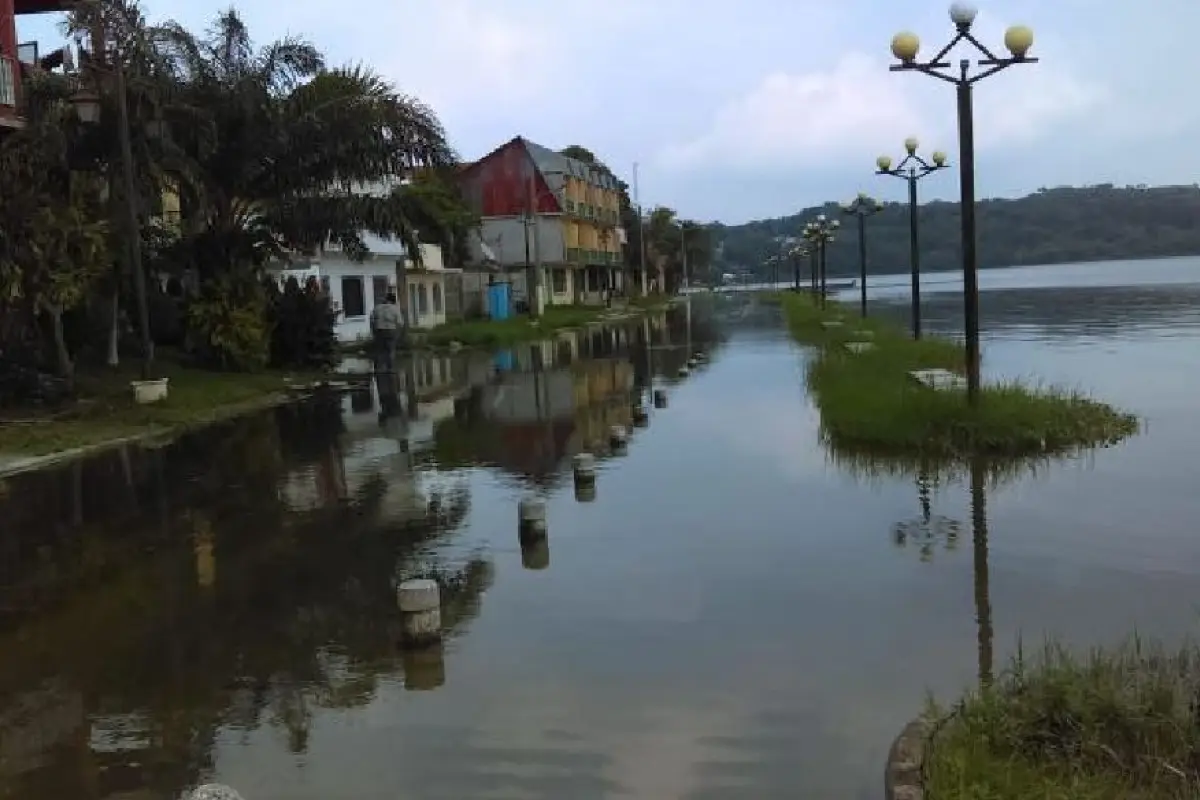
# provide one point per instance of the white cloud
(858, 109)
(791, 120)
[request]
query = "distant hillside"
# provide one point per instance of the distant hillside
(1095, 223)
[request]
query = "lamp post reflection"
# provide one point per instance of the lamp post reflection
(979, 537)
(926, 531)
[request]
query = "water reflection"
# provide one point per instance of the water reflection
(156, 599)
(242, 576)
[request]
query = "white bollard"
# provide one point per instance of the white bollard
(693, 361)
(421, 608)
(531, 517)
(617, 436)
(212, 791)
(683, 372)
(660, 398)
(584, 466)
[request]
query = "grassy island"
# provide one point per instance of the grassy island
(1117, 725)
(870, 401)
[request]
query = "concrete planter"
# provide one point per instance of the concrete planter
(146, 392)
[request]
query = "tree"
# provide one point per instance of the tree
(288, 151)
(1056, 225)
(53, 231)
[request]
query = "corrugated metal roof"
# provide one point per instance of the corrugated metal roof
(550, 161)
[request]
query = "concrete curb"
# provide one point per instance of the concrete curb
(160, 435)
(902, 776)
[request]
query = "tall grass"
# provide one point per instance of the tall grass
(1122, 724)
(869, 401)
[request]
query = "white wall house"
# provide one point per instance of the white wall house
(356, 287)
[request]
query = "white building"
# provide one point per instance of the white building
(356, 287)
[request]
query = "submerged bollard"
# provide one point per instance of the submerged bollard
(585, 492)
(660, 398)
(618, 436)
(421, 608)
(535, 553)
(584, 466)
(531, 518)
(641, 417)
(683, 372)
(693, 361)
(424, 668)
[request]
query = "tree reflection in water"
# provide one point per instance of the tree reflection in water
(208, 603)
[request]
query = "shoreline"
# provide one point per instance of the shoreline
(153, 423)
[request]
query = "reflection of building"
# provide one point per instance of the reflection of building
(534, 414)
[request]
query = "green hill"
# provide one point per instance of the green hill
(1095, 223)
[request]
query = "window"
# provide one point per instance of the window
(558, 280)
(379, 290)
(423, 300)
(353, 302)
(437, 298)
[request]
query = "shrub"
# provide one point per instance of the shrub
(227, 324)
(302, 321)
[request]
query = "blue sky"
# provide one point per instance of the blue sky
(744, 109)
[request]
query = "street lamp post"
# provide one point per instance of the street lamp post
(862, 207)
(905, 47)
(912, 168)
(819, 233)
(797, 252)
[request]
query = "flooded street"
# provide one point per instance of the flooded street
(738, 613)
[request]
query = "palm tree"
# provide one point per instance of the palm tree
(285, 147)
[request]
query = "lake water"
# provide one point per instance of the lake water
(733, 616)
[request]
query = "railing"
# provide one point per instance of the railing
(8, 81)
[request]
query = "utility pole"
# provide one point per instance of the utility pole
(641, 228)
(532, 295)
(683, 252)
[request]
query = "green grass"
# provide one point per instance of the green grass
(870, 403)
(1117, 725)
(106, 411)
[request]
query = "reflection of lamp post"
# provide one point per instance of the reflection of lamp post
(912, 168)
(862, 207)
(905, 46)
(928, 529)
(87, 107)
(819, 233)
(979, 538)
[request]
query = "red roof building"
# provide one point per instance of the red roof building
(539, 207)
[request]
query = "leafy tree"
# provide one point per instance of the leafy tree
(53, 231)
(1064, 224)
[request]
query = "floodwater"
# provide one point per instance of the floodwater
(738, 613)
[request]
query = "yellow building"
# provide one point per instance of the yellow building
(538, 206)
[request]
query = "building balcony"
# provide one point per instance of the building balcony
(586, 256)
(591, 213)
(10, 77)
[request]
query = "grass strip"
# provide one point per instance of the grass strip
(870, 402)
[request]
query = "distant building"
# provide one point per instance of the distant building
(16, 58)
(538, 206)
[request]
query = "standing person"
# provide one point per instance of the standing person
(387, 323)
